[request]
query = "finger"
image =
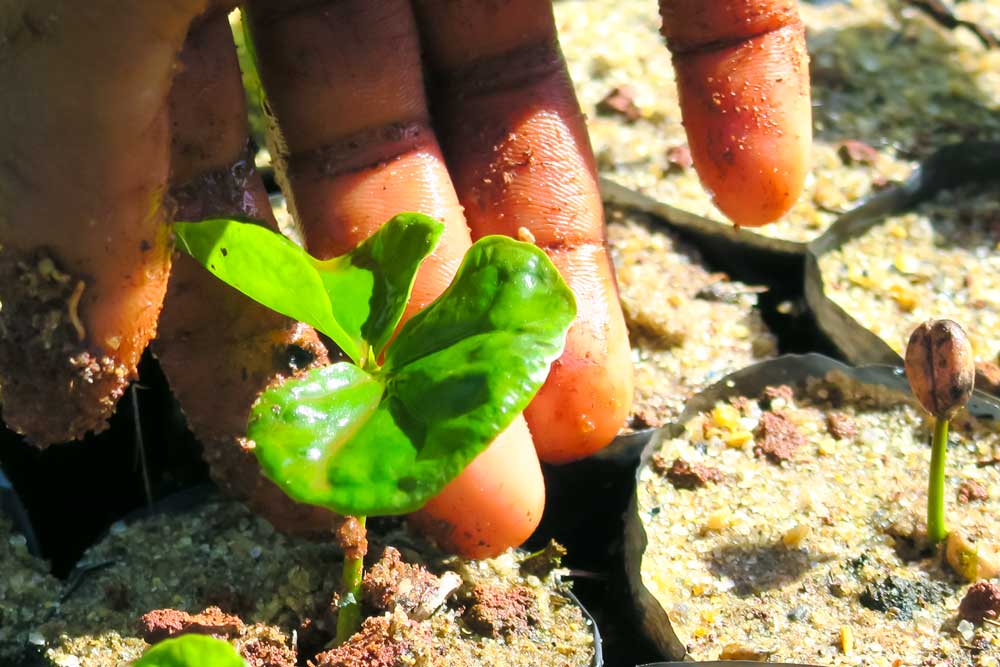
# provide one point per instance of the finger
(743, 82)
(505, 503)
(83, 251)
(517, 147)
(219, 349)
(344, 82)
(208, 125)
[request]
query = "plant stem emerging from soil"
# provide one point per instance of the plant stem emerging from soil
(937, 531)
(352, 539)
(941, 370)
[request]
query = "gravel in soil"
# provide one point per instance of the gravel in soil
(274, 594)
(889, 86)
(837, 572)
(938, 261)
(27, 595)
(689, 326)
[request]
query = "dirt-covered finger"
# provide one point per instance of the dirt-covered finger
(219, 349)
(743, 81)
(84, 155)
(345, 84)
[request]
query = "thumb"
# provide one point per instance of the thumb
(84, 153)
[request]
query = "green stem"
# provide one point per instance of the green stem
(937, 531)
(249, 65)
(349, 615)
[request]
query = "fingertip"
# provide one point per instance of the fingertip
(747, 113)
(753, 181)
(587, 396)
(495, 504)
(581, 412)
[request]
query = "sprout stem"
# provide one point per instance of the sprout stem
(349, 615)
(937, 531)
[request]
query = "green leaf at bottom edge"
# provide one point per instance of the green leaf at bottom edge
(191, 651)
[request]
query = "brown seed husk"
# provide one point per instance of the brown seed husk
(940, 367)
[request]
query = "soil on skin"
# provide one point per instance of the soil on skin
(46, 351)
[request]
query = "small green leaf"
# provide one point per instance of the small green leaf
(356, 299)
(191, 651)
(380, 272)
(456, 376)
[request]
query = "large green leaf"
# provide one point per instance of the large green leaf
(191, 651)
(456, 376)
(355, 299)
(299, 427)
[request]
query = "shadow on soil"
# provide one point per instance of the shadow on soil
(907, 88)
(755, 568)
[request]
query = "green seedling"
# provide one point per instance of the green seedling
(191, 651)
(385, 432)
(941, 370)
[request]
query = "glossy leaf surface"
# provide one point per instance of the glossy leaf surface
(356, 299)
(376, 278)
(191, 651)
(299, 427)
(458, 373)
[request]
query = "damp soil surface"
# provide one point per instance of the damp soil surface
(216, 569)
(841, 571)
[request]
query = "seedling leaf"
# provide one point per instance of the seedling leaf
(379, 275)
(300, 427)
(191, 651)
(458, 374)
(356, 299)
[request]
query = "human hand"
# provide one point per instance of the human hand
(86, 154)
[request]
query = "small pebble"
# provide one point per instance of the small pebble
(718, 520)
(966, 630)
(799, 613)
(740, 652)
(794, 537)
(837, 589)
(846, 640)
